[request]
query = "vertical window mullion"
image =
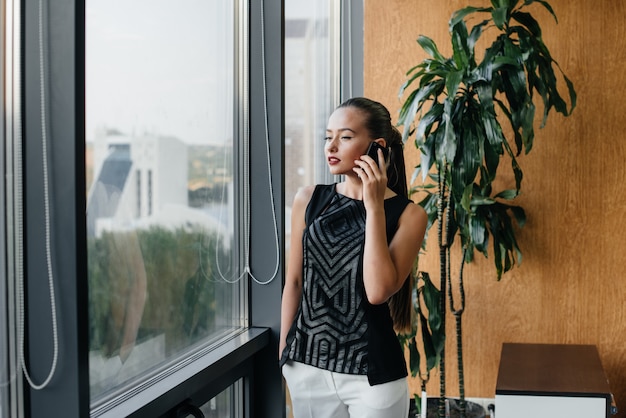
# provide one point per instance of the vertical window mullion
(52, 47)
(10, 391)
(266, 95)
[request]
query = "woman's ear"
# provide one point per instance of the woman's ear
(381, 141)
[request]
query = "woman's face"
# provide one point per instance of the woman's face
(346, 140)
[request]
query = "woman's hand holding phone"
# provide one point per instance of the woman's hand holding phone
(373, 179)
(372, 152)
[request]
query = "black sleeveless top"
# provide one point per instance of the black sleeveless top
(336, 328)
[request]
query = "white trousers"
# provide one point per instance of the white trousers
(317, 393)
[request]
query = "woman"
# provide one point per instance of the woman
(353, 245)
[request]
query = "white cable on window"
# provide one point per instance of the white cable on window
(269, 163)
(246, 183)
(20, 227)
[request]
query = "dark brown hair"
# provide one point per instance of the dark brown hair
(378, 123)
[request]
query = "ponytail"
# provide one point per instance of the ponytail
(396, 173)
(401, 303)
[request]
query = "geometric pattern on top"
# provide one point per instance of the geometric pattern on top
(331, 329)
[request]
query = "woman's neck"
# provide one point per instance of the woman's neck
(354, 189)
(350, 188)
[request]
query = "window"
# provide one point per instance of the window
(164, 279)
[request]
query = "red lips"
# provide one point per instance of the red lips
(333, 160)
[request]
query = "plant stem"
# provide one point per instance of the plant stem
(442, 206)
(459, 353)
(458, 314)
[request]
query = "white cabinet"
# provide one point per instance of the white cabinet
(551, 380)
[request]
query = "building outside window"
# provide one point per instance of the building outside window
(163, 281)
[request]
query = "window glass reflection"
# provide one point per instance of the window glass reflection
(160, 176)
(309, 95)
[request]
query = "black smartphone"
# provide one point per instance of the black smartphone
(372, 151)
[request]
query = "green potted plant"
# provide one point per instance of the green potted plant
(455, 109)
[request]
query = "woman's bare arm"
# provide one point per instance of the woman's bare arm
(385, 268)
(292, 292)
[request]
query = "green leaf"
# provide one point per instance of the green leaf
(508, 194)
(478, 200)
(478, 233)
(497, 257)
(477, 30)
(429, 203)
(427, 152)
(412, 77)
(407, 114)
(519, 214)
(572, 94)
(414, 357)
(453, 81)
(460, 14)
(545, 4)
(527, 114)
(517, 171)
(432, 297)
(457, 181)
(430, 350)
(513, 5)
(504, 61)
(430, 47)
(516, 134)
(460, 51)
(432, 334)
(433, 115)
(453, 225)
(447, 143)
(492, 160)
(500, 16)
(527, 20)
(427, 92)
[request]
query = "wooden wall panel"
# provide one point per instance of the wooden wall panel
(571, 286)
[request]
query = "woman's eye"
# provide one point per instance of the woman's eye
(327, 138)
(346, 137)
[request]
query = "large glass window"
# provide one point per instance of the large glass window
(162, 186)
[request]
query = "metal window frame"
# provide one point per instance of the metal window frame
(65, 101)
(351, 41)
(10, 381)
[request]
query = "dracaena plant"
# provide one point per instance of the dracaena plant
(455, 108)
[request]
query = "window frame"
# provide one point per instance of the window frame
(70, 384)
(5, 314)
